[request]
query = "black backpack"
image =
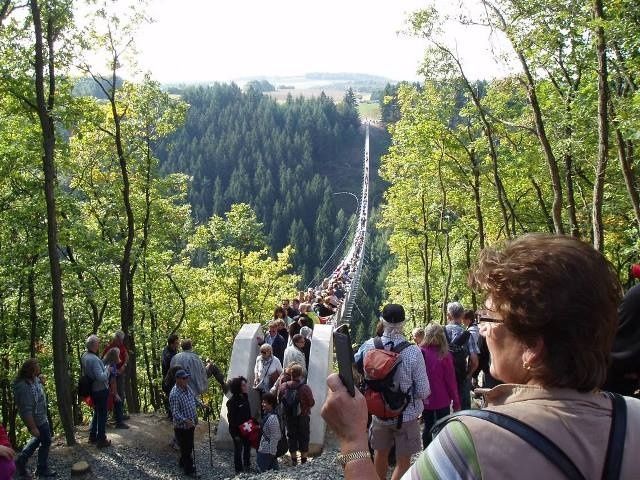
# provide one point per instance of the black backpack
(459, 352)
(85, 382)
(291, 401)
(84, 386)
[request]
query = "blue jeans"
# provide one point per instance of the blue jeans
(98, 427)
(464, 390)
(44, 442)
(266, 462)
(430, 417)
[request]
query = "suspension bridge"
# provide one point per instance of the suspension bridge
(246, 348)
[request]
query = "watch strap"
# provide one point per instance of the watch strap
(343, 459)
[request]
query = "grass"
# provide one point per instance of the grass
(369, 110)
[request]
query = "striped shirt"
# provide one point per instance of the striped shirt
(411, 374)
(271, 435)
(449, 456)
(183, 406)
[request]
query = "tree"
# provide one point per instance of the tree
(49, 23)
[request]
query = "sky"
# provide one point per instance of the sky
(223, 40)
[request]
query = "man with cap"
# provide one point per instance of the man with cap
(411, 377)
(183, 407)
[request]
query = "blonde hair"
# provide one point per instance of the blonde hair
(295, 369)
(434, 335)
(112, 356)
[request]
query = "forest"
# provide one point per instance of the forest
(551, 147)
(285, 160)
(125, 206)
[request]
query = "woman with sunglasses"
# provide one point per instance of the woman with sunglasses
(267, 369)
(549, 323)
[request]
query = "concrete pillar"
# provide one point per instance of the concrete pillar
(320, 366)
(243, 359)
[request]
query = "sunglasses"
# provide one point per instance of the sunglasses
(485, 316)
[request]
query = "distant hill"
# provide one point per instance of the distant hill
(326, 81)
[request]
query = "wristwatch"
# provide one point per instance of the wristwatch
(343, 459)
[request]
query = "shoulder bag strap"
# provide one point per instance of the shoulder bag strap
(401, 346)
(615, 450)
(533, 437)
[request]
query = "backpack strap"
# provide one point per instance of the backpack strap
(615, 450)
(377, 343)
(397, 349)
(400, 347)
(533, 437)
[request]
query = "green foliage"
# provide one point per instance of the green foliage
(261, 86)
(282, 159)
(469, 167)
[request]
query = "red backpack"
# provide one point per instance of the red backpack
(384, 398)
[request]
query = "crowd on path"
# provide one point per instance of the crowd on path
(553, 328)
(552, 335)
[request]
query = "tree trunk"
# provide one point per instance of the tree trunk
(126, 293)
(425, 263)
(467, 255)
(568, 165)
(603, 128)
(33, 310)
(488, 132)
(59, 326)
(475, 165)
(97, 314)
(543, 206)
(625, 156)
(552, 164)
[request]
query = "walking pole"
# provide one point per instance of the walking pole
(209, 427)
(193, 452)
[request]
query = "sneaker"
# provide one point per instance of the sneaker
(48, 473)
(103, 443)
(122, 426)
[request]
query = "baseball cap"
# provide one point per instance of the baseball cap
(393, 313)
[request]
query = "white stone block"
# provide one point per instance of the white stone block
(320, 366)
(243, 359)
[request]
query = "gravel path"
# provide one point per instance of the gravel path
(144, 452)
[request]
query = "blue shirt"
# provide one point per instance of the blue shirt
(183, 406)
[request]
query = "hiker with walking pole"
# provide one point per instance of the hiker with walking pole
(183, 404)
(207, 417)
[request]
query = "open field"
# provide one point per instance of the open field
(281, 95)
(369, 110)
